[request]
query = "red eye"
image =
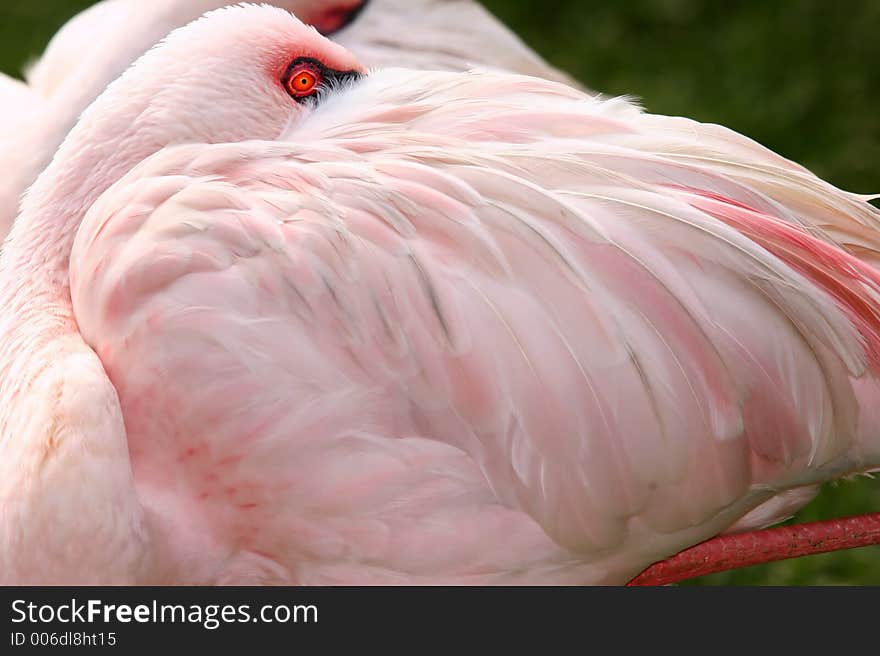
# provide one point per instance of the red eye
(303, 82)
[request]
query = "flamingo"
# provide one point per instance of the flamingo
(16, 99)
(98, 44)
(269, 318)
(432, 34)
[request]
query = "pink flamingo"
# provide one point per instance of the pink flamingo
(98, 44)
(16, 99)
(432, 34)
(268, 319)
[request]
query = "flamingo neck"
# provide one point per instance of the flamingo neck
(39, 339)
(37, 252)
(42, 133)
(146, 24)
(35, 303)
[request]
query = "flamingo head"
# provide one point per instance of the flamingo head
(238, 73)
(242, 73)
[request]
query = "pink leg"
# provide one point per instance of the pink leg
(766, 546)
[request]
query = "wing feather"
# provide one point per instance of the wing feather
(621, 342)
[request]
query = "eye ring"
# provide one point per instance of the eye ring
(306, 77)
(303, 81)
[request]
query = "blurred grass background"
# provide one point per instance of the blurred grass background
(800, 76)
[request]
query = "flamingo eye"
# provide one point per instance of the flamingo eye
(306, 76)
(302, 81)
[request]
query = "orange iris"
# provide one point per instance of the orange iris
(302, 83)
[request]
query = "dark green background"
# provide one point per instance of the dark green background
(800, 76)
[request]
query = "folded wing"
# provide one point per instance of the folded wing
(577, 348)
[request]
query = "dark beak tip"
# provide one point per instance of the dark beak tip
(335, 19)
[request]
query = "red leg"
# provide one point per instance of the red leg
(766, 546)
